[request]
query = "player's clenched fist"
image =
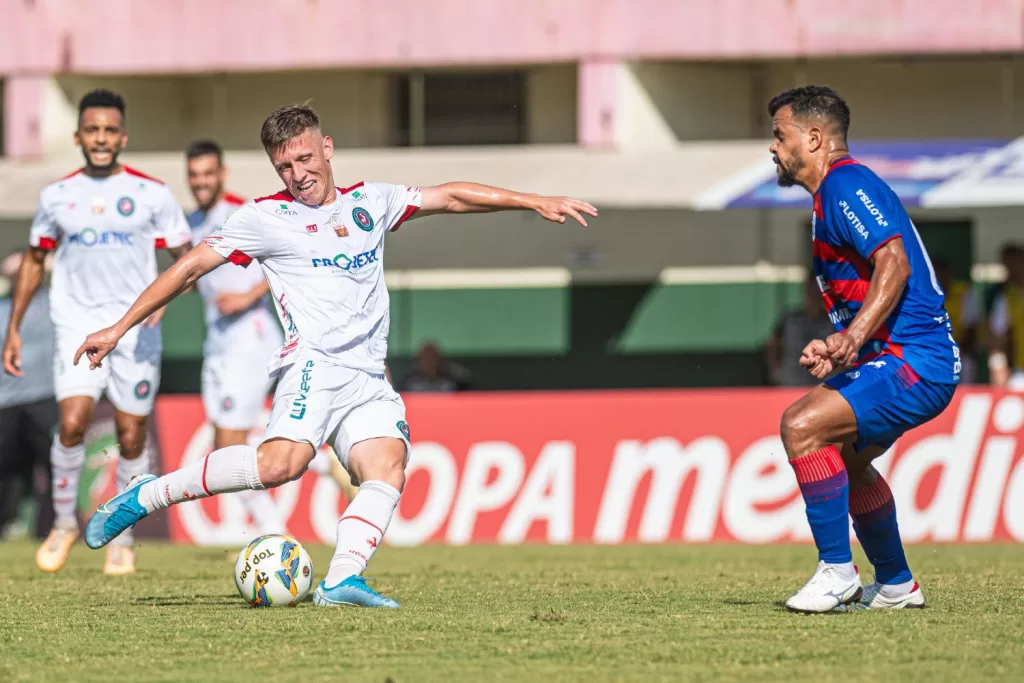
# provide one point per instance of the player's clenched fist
(842, 349)
(815, 359)
(555, 209)
(97, 346)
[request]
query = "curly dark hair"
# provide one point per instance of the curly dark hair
(815, 101)
(101, 98)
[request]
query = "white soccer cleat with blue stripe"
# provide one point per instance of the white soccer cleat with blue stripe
(829, 588)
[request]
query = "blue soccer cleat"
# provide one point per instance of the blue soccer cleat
(352, 591)
(117, 514)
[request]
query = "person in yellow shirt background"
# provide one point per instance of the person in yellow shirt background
(965, 316)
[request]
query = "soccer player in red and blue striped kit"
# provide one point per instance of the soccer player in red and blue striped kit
(891, 365)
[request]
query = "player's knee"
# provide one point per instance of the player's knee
(796, 429)
(392, 472)
(72, 428)
(379, 460)
(280, 466)
(861, 477)
(131, 439)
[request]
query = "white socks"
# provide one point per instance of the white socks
(224, 471)
(67, 462)
(361, 530)
(126, 469)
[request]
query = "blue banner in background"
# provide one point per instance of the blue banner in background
(910, 167)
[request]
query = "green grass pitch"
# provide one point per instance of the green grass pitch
(538, 614)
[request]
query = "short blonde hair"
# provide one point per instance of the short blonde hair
(286, 123)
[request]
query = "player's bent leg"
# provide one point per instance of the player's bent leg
(379, 465)
(889, 398)
(67, 456)
(809, 428)
(874, 521)
(228, 470)
(132, 462)
(258, 502)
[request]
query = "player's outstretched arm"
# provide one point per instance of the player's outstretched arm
(30, 275)
(891, 272)
(474, 198)
(172, 282)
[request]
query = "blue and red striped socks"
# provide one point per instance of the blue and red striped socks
(874, 521)
(825, 488)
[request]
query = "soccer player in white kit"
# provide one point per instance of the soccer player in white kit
(321, 249)
(242, 331)
(105, 222)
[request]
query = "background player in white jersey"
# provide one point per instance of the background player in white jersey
(321, 249)
(105, 222)
(242, 332)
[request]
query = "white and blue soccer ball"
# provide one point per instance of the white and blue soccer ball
(274, 571)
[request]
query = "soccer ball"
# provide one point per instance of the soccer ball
(274, 571)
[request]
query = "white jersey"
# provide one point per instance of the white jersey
(325, 268)
(106, 232)
(251, 328)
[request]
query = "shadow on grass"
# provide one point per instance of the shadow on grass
(191, 600)
(780, 606)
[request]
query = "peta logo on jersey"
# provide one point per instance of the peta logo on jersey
(107, 238)
(346, 263)
(853, 219)
(299, 404)
(870, 206)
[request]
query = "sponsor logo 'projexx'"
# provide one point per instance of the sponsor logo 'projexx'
(92, 238)
(347, 263)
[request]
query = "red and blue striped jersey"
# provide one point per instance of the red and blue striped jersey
(855, 214)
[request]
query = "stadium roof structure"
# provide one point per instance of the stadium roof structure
(705, 176)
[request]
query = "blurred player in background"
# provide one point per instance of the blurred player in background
(321, 249)
(105, 222)
(894, 349)
(783, 348)
(242, 333)
(1006, 326)
(28, 410)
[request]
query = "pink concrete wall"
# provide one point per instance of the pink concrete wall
(146, 36)
(22, 117)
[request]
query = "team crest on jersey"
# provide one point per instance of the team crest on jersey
(227, 404)
(142, 389)
(126, 206)
(403, 427)
(362, 218)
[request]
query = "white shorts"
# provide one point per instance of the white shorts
(320, 403)
(235, 387)
(130, 375)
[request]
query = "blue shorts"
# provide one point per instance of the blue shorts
(889, 398)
